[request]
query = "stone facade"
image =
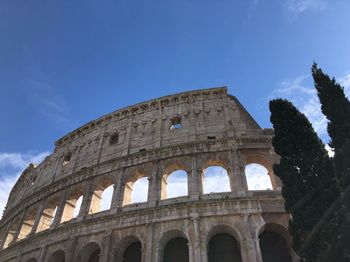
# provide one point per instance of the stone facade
(189, 131)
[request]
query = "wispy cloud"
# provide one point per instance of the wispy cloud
(47, 101)
(11, 166)
(253, 5)
(297, 7)
(302, 94)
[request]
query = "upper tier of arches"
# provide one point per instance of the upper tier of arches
(171, 180)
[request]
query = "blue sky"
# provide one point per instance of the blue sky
(64, 63)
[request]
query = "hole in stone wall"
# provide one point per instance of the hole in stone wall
(106, 198)
(215, 179)
(77, 207)
(66, 159)
(257, 177)
(140, 190)
(175, 123)
(175, 184)
(114, 139)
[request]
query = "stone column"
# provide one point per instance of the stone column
(20, 223)
(6, 232)
(251, 248)
(42, 253)
(106, 246)
(85, 205)
(148, 256)
(38, 216)
(197, 239)
(154, 186)
(239, 172)
(60, 209)
(117, 190)
(70, 250)
(195, 180)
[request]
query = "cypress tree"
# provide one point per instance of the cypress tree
(306, 172)
(336, 107)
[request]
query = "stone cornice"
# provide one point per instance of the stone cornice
(154, 104)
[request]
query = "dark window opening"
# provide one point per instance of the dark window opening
(142, 150)
(175, 123)
(211, 137)
(176, 250)
(133, 253)
(66, 159)
(114, 139)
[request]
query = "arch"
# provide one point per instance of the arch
(48, 214)
(273, 227)
(133, 253)
(164, 252)
(215, 179)
(11, 232)
(176, 250)
(257, 177)
(174, 181)
(90, 253)
(222, 228)
(263, 161)
(28, 222)
(102, 196)
(73, 203)
(57, 256)
(223, 247)
(129, 249)
(273, 243)
(136, 189)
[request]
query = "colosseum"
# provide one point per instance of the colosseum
(55, 211)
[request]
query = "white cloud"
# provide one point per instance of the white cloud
(330, 150)
(46, 100)
(257, 177)
(297, 7)
(215, 180)
(140, 191)
(177, 184)
(305, 98)
(301, 92)
(11, 166)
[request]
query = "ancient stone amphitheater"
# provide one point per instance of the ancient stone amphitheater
(191, 132)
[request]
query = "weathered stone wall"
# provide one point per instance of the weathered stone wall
(144, 141)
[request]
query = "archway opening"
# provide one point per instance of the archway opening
(77, 206)
(101, 198)
(73, 204)
(48, 215)
(136, 191)
(133, 253)
(57, 256)
(176, 250)
(215, 179)
(274, 247)
(11, 233)
(90, 253)
(175, 184)
(28, 223)
(224, 248)
(257, 177)
(106, 198)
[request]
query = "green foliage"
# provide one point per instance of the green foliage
(336, 107)
(306, 172)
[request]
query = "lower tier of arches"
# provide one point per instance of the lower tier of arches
(211, 232)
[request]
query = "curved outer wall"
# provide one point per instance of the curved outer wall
(216, 130)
